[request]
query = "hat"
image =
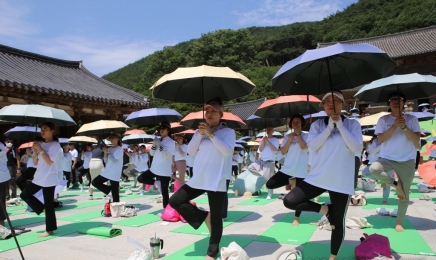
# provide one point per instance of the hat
(164, 124)
(336, 93)
(247, 194)
(215, 103)
(117, 135)
(142, 145)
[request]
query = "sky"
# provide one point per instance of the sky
(109, 34)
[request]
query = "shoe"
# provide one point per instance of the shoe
(142, 192)
(90, 197)
(81, 187)
(268, 197)
(108, 197)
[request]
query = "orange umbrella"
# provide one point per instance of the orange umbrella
(286, 106)
(26, 145)
(427, 172)
(176, 127)
(193, 119)
(134, 131)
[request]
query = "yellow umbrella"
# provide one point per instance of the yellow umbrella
(102, 127)
(82, 139)
(372, 119)
(366, 138)
(252, 143)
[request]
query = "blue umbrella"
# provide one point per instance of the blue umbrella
(316, 115)
(239, 147)
(431, 139)
(260, 123)
(35, 114)
(245, 138)
(23, 132)
(137, 138)
(337, 67)
(153, 116)
(62, 140)
(241, 141)
(368, 130)
(275, 134)
(422, 116)
(425, 133)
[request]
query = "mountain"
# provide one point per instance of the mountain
(258, 52)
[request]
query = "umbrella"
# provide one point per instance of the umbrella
(82, 139)
(260, 123)
(137, 138)
(176, 127)
(423, 142)
(199, 84)
(427, 172)
(413, 85)
(241, 141)
(368, 130)
(239, 147)
(35, 114)
(245, 138)
(286, 106)
(62, 140)
(252, 143)
(275, 134)
(134, 131)
(354, 110)
(26, 145)
(153, 116)
(423, 105)
(366, 138)
(320, 114)
(372, 119)
(23, 132)
(188, 133)
(193, 119)
(431, 139)
(422, 116)
(337, 67)
(102, 127)
(425, 133)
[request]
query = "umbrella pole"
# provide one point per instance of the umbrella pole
(11, 227)
(202, 95)
(398, 95)
(331, 84)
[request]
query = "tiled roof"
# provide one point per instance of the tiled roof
(245, 109)
(400, 44)
(34, 72)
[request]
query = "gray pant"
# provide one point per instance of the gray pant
(12, 184)
(405, 172)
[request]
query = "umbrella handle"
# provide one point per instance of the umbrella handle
(331, 86)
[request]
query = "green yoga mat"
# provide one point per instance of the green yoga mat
(205, 200)
(259, 200)
(101, 231)
(13, 208)
(83, 216)
(32, 237)
(198, 250)
(414, 195)
(284, 233)
(312, 250)
(232, 217)
(407, 242)
(139, 221)
(27, 221)
(377, 202)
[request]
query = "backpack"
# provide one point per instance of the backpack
(373, 247)
(106, 212)
(57, 204)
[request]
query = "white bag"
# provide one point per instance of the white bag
(423, 188)
(4, 232)
(357, 223)
(117, 208)
(233, 252)
(129, 211)
(368, 186)
(358, 199)
(141, 255)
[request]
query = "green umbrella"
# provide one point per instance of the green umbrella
(35, 114)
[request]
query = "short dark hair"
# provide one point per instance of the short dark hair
(303, 121)
(397, 94)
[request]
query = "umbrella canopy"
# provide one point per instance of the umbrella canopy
(63, 140)
(26, 145)
(35, 114)
(368, 130)
(193, 119)
(337, 67)
(275, 134)
(239, 147)
(137, 138)
(188, 133)
(320, 114)
(153, 116)
(427, 172)
(23, 132)
(424, 105)
(241, 141)
(246, 138)
(176, 127)
(82, 139)
(431, 139)
(102, 127)
(134, 131)
(425, 133)
(260, 123)
(286, 106)
(372, 119)
(252, 143)
(199, 84)
(366, 138)
(412, 85)
(422, 116)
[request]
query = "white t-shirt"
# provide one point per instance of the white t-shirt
(177, 155)
(240, 157)
(4, 172)
(133, 159)
(142, 162)
(66, 162)
(398, 148)
(189, 159)
(267, 154)
(86, 157)
(279, 155)
(296, 159)
(162, 158)
(114, 164)
(332, 158)
(228, 167)
(235, 158)
(373, 151)
(47, 175)
(253, 156)
(30, 163)
(74, 154)
(211, 167)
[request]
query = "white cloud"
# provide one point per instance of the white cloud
(280, 12)
(13, 23)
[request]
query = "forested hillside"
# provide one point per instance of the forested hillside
(258, 52)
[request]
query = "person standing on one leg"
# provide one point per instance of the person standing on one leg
(180, 157)
(142, 166)
(86, 158)
(113, 157)
(212, 144)
(4, 182)
(14, 166)
(240, 161)
(294, 170)
(96, 166)
(47, 155)
(66, 165)
(190, 164)
(28, 174)
(74, 158)
(234, 169)
(398, 133)
(160, 171)
(332, 141)
(268, 148)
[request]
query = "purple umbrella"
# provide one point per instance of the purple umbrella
(422, 116)
(316, 115)
(23, 132)
(153, 116)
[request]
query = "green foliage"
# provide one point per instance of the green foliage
(258, 52)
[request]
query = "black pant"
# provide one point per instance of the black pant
(356, 169)
(279, 180)
(226, 201)
(68, 178)
(299, 199)
(4, 188)
(73, 174)
(418, 158)
(12, 186)
(99, 183)
(83, 172)
(195, 217)
(38, 207)
(235, 170)
(21, 180)
(191, 172)
(149, 178)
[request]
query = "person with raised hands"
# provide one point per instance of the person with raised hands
(212, 145)
(179, 159)
(333, 141)
(267, 153)
(399, 135)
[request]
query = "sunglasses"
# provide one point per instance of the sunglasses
(395, 99)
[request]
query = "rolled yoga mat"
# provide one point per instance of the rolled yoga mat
(101, 231)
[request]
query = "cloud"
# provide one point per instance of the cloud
(281, 12)
(13, 22)
(100, 56)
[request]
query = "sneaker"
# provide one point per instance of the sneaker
(90, 197)
(81, 187)
(142, 192)
(108, 197)
(268, 197)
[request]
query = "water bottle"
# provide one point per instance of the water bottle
(156, 244)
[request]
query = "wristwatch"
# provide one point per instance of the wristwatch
(211, 136)
(42, 152)
(404, 129)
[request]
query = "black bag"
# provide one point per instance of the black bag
(57, 204)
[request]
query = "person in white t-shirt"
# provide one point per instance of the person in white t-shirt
(190, 163)
(66, 165)
(294, 169)
(240, 161)
(179, 159)
(252, 156)
(46, 157)
(4, 182)
(28, 174)
(267, 149)
(86, 158)
(398, 134)
(74, 161)
(235, 158)
(333, 141)
(212, 144)
(113, 158)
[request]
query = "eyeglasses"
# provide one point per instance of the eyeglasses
(395, 99)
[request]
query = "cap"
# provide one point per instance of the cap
(336, 93)
(164, 124)
(142, 145)
(117, 135)
(215, 103)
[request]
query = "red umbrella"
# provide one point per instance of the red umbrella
(177, 127)
(427, 172)
(193, 119)
(286, 106)
(134, 131)
(26, 145)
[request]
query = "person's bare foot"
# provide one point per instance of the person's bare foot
(293, 183)
(399, 228)
(385, 203)
(332, 257)
(46, 234)
(316, 200)
(208, 224)
(209, 258)
(400, 192)
(296, 221)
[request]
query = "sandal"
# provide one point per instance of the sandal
(425, 197)
(329, 216)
